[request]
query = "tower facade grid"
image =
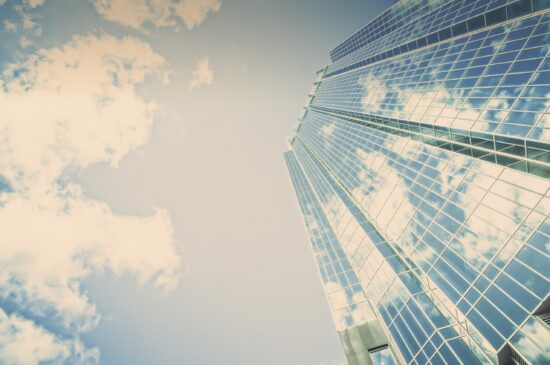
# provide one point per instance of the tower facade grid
(421, 163)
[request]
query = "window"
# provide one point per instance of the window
(382, 356)
(543, 312)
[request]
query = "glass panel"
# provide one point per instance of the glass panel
(382, 357)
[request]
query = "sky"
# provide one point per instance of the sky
(146, 213)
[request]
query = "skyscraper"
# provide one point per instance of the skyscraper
(421, 163)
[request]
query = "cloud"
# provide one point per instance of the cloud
(193, 12)
(84, 95)
(25, 22)
(25, 42)
(71, 238)
(10, 26)
(139, 13)
(24, 343)
(202, 75)
(328, 130)
(135, 13)
(527, 346)
(374, 91)
(160, 13)
(64, 109)
(35, 3)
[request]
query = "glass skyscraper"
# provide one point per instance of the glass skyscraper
(421, 163)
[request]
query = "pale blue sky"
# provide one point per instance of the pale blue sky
(248, 291)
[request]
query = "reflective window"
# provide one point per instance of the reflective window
(382, 357)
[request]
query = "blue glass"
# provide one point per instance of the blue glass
(382, 357)
(423, 157)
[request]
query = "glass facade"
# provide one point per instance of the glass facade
(422, 167)
(382, 357)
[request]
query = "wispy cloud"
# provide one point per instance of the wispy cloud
(21, 18)
(28, 23)
(67, 108)
(202, 75)
(34, 3)
(25, 42)
(10, 26)
(160, 13)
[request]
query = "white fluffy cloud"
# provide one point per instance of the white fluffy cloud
(24, 343)
(66, 108)
(160, 13)
(74, 105)
(202, 75)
